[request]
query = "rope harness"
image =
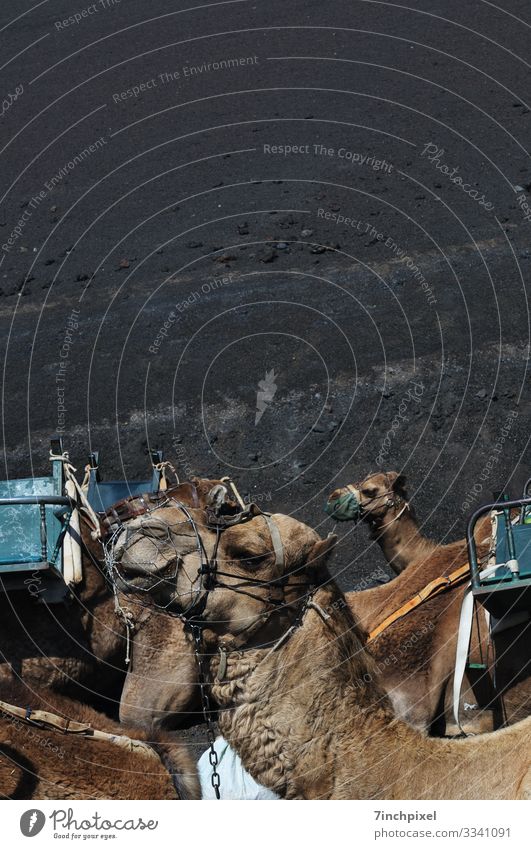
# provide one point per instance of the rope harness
(84, 506)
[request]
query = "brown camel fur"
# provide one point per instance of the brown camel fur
(315, 725)
(306, 714)
(39, 763)
(161, 689)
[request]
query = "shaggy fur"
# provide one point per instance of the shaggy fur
(163, 653)
(308, 716)
(39, 763)
(314, 724)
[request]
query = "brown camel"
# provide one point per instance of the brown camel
(302, 706)
(44, 763)
(415, 656)
(79, 646)
(163, 654)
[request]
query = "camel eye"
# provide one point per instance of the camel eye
(248, 559)
(370, 492)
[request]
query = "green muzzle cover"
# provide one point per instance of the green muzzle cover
(344, 508)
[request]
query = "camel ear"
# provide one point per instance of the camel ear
(321, 552)
(217, 496)
(397, 481)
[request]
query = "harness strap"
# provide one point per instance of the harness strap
(276, 539)
(234, 488)
(55, 722)
(161, 468)
(465, 632)
(435, 587)
(397, 517)
(461, 653)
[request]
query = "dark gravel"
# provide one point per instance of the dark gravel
(183, 220)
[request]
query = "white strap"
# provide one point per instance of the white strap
(461, 654)
(463, 641)
(69, 470)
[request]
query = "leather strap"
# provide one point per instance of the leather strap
(139, 505)
(461, 653)
(435, 587)
(54, 722)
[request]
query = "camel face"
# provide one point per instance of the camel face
(236, 583)
(370, 499)
(160, 555)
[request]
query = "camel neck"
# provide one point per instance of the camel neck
(399, 538)
(319, 691)
(335, 645)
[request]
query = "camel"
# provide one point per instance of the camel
(415, 657)
(414, 663)
(45, 763)
(301, 703)
(79, 647)
(383, 504)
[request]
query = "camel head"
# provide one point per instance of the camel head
(370, 500)
(238, 581)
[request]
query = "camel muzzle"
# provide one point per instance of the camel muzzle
(346, 507)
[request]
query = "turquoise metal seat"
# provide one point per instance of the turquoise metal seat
(102, 495)
(506, 587)
(34, 516)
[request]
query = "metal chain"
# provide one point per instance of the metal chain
(207, 711)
